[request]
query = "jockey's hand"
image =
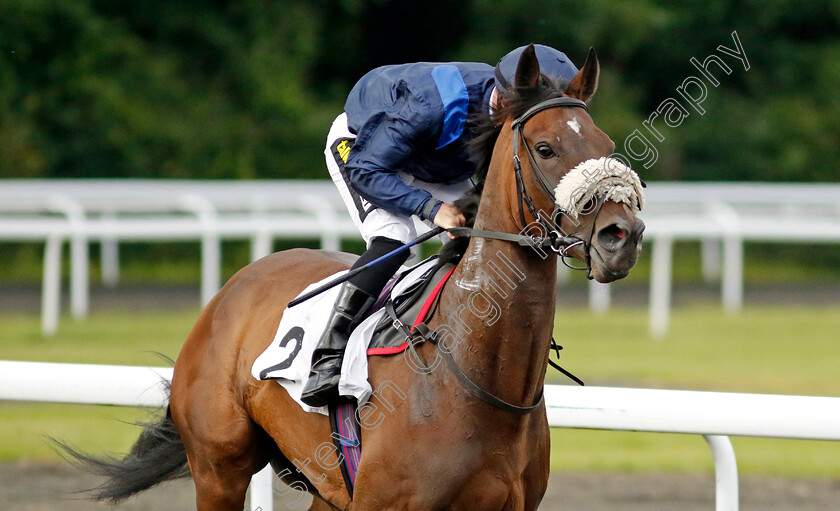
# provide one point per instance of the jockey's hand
(449, 216)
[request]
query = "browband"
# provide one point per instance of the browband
(545, 105)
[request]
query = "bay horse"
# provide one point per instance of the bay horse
(428, 442)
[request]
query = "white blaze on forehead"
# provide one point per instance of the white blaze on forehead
(575, 125)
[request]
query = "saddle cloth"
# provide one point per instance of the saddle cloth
(287, 360)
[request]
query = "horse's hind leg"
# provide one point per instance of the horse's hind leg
(222, 444)
(222, 466)
(219, 487)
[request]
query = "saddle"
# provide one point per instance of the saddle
(287, 358)
(414, 306)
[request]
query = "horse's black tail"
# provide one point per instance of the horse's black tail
(157, 456)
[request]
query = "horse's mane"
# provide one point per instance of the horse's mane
(486, 128)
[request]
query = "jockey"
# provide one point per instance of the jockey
(397, 151)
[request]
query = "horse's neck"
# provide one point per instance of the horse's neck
(502, 296)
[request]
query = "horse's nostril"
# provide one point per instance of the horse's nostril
(611, 235)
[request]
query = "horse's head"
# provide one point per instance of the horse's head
(548, 137)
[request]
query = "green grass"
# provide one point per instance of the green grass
(619, 451)
(763, 263)
(783, 350)
(102, 338)
(25, 429)
(765, 350)
(114, 338)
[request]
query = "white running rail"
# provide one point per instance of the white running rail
(78, 212)
(711, 414)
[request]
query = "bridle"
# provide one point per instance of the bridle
(519, 140)
(561, 247)
(553, 238)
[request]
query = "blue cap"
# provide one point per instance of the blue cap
(554, 64)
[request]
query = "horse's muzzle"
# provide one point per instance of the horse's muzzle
(615, 248)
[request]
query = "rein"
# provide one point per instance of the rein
(551, 241)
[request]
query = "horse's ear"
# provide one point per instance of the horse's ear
(585, 83)
(528, 69)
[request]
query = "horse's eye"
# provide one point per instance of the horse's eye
(545, 151)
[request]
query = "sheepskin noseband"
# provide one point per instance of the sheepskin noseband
(603, 179)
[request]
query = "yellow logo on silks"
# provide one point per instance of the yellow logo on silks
(343, 149)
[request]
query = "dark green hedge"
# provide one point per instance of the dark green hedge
(247, 89)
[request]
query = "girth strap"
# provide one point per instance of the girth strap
(346, 439)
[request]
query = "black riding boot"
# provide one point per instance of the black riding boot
(349, 309)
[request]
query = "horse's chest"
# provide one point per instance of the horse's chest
(480, 488)
(469, 466)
